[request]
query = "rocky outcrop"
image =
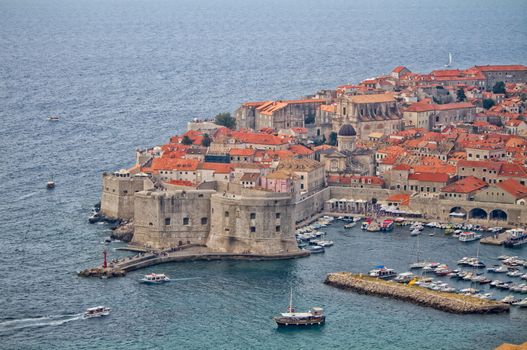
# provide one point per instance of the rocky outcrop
(102, 272)
(124, 232)
(447, 302)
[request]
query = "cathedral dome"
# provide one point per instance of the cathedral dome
(347, 130)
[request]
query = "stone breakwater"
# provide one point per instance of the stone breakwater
(447, 302)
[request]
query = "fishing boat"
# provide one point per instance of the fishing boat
(468, 236)
(313, 317)
(97, 311)
(382, 272)
(516, 238)
(155, 278)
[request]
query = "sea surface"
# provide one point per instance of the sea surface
(124, 74)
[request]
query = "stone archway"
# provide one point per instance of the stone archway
(458, 212)
(498, 214)
(478, 213)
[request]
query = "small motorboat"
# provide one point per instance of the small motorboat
(404, 277)
(155, 278)
(521, 303)
(53, 118)
(415, 232)
(97, 311)
(50, 185)
(350, 225)
(324, 243)
(382, 272)
(510, 299)
(316, 249)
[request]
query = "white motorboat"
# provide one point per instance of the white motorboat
(521, 303)
(350, 225)
(509, 299)
(155, 278)
(97, 311)
(53, 118)
(324, 243)
(382, 272)
(404, 277)
(468, 236)
(415, 232)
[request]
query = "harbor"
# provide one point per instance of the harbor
(443, 301)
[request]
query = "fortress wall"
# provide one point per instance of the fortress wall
(171, 218)
(252, 224)
(310, 206)
(117, 200)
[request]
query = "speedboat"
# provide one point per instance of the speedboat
(415, 232)
(514, 273)
(498, 269)
(323, 243)
(350, 225)
(53, 118)
(521, 303)
(97, 311)
(510, 299)
(315, 249)
(404, 277)
(155, 278)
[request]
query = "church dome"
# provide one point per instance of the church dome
(347, 130)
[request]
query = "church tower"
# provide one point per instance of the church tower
(346, 138)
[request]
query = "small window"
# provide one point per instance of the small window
(167, 221)
(125, 192)
(186, 221)
(278, 215)
(253, 216)
(204, 221)
(253, 228)
(278, 228)
(226, 214)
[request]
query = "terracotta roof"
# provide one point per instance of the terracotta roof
(466, 185)
(479, 164)
(301, 150)
(221, 168)
(399, 69)
(258, 138)
(429, 177)
(174, 164)
(252, 177)
(181, 183)
(402, 198)
(513, 187)
(241, 152)
(511, 67)
(301, 164)
(282, 174)
(328, 108)
(373, 98)
(429, 107)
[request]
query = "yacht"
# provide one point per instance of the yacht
(468, 236)
(382, 272)
(97, 311)
(155, 278)
(313, 317)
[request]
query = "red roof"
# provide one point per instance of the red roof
(181, 183)
(221, 168)
(511, 67)
(258, 138)
(514, 188)
(466, 185)
(402, 198)
(241, 152)
(398, 69)
(429, 177)
(164, 163)
(300, 150)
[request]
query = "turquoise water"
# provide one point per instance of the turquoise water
(129, 73)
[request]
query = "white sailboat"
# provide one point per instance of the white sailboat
(449, 60)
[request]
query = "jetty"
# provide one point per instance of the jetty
(497, 239)
(189, 252)
(448, 302)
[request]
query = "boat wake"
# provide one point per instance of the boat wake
(54, 320)
(184, 279)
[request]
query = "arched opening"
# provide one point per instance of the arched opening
(498, 214)
(458, 212)
(477, 213)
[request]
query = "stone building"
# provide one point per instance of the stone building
(310, 173)
(367, 114)
(506, 73)
(430, 116)
(254, 222)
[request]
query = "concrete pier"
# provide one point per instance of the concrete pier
(186, 253)
(495, 240)
(448, 302)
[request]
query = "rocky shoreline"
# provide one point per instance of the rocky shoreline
(448, 302)
(124, 232)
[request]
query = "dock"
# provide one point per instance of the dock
(498, 239)
(191, 252)
(448, 302)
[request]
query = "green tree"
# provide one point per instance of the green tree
(488, 103)
(523, 96)
(205, 142)
(332, 139)
(499, 88)
(461, 95)
(225, 120)
(186, 140)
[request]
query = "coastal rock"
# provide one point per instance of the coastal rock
(102, 272)
(124, 232)
(447, 302)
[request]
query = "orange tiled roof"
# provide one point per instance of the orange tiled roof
(181, 183)
(511, 67)
(466, 185)
(402, 198)
(513, 187)
(300, 150)
(258, 138)
(163, 163)
(221, 168)
(373, 98)
(429, 177)
(241, 152)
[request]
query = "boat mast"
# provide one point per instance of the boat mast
(290, 308)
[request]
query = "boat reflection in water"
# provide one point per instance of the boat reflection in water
(313, 317)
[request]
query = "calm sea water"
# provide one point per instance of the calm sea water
(126, 74)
